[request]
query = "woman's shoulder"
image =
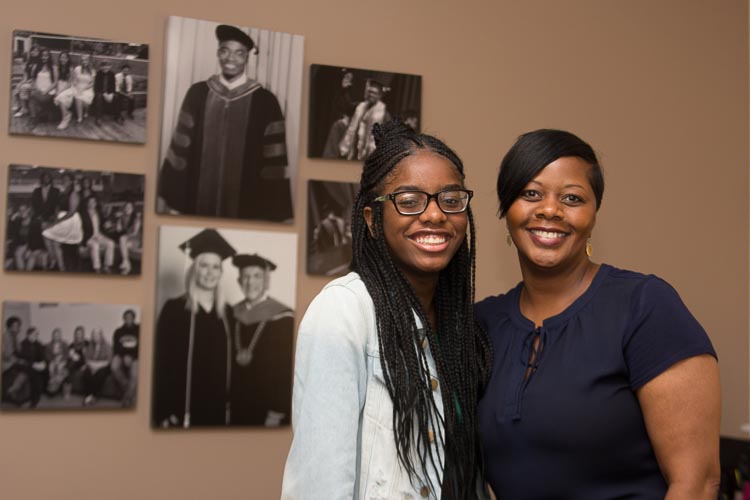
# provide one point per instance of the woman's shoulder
(351, 281)
(495, 306)
(349, 284)
(174, 304)
(344, 306)
(345, 291)
(620, 282)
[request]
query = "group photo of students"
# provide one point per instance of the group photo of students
(69, 355)
(78, 87)
(73, 221)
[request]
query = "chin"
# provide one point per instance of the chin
(433, 267)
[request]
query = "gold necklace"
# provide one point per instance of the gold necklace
(245, 354)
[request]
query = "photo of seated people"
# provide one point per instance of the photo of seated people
(58, 355)
(73, 221)
(74, 87)
(346, 103)
(329, 231)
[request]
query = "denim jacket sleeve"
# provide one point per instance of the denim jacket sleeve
(330, 382)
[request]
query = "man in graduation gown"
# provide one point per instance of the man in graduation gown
(227, 157)
(262, 338)
(192, 365)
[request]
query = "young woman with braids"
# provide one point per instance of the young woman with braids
(389, 363)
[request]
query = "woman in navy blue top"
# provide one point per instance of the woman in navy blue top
(604, 385)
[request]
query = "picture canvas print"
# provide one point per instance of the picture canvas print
(69, 356)
(75, 221)
(224, 329)
(329, 231)
(229, 137)
(346, 103)
(78, 87)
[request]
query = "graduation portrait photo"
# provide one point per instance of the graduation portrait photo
(78, 87)
(75, 221)
(69, 356)
(230, 124)
(345, 103)
(329, 230)
(225, 328)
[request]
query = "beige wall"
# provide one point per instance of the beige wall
(660, 89)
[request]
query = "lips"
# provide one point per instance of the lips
(431, 241)
(548, 234)
(548, 237)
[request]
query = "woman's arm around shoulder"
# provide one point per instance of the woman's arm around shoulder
(330, 376)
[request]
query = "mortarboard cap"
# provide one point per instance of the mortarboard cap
(246, 260)
(226, 32)
(374, 83)
(208, 240)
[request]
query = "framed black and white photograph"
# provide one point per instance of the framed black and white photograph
(225, 328)
(78, 87)
(230, 125)
(69, 356)
(75, 221)
(345, 104)
(329, 226)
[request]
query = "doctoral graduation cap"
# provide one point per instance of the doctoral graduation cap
(244, 260)
(208, 240)
(225, 32)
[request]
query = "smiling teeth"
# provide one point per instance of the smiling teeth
(430, 240)
(547, 234)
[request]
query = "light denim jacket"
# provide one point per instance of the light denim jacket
(342, 415)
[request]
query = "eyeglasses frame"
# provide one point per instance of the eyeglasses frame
(392, 197)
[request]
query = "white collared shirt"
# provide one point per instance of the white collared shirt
(242, 79)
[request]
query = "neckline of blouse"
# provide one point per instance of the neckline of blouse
(561, 318)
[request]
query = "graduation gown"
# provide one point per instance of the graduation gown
(190, 390)
(262, 338)
(227, 157)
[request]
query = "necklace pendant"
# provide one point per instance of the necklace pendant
(244, 357)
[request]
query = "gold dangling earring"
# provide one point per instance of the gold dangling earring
(589, 248)
(509, 240)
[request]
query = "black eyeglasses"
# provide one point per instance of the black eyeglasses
(450, 201)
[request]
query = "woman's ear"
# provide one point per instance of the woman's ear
(367, 213)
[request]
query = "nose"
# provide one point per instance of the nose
(549, 208)
(235, 58)
(432, 213)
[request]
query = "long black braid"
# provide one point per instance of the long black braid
(460, 349)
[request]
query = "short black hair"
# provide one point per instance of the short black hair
(124, 66)
(12, 321)
(128, 311)
(532, 152)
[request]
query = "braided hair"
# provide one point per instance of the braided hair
(460, 349)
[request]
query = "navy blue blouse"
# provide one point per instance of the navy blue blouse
(574, 428)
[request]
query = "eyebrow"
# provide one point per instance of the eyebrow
(565, 186)
(417, 188)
